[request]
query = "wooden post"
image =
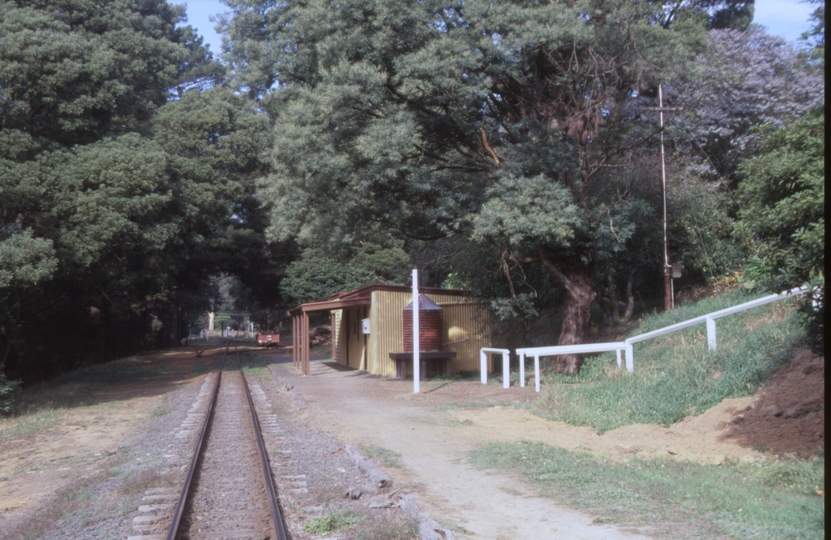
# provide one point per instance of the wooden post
(332, 338)
(294, 341)
(305, 341)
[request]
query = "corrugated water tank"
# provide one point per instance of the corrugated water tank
(429, 325)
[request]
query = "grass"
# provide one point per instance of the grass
(45, 404)
(137, 482)
(676, 375)
(387, 527)
(26, 425)
(381, 526)
(778, 499)
(387, 458)
(331, 522)
(80, 388)
(254, 362)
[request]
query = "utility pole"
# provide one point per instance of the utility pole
(669, 299)
(669, 295)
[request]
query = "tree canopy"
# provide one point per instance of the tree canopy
(782, 216)
(122, 174)
(511, 148)
(432, 119)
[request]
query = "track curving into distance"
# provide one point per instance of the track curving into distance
(229, 491)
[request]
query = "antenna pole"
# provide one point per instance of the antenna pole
(669, 300)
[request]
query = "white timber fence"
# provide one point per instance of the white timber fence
(506, 366)
(709, 320)
(557, 350)
(627, 345)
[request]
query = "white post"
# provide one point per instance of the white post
(522, 370)
(711, 333)
(506, 371)
(618, 358)
(416, 344)
(537, 371)
(630, 358)
(483, 366)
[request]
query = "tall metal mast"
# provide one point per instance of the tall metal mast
(669, 300)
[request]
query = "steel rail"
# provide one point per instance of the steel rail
(276, 517)
(183, 497)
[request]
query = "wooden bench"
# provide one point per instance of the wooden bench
(403, 359)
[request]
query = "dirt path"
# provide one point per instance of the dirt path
(454, 493)
(433, 431)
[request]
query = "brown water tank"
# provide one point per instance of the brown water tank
(429, 325)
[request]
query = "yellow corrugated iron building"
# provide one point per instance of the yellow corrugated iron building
(465, 327)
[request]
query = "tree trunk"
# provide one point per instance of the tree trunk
(630, 297)
(5, 348)
(175, 331)
(576, 279)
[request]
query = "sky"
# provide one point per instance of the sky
(785, 18)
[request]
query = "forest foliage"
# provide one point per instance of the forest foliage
(509, 148)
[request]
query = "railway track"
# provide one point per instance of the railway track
(229, 492)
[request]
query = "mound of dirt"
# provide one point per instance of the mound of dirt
(788, 417)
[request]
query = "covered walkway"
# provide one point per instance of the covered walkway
(300, 322)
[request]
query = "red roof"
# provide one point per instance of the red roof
(363, 297)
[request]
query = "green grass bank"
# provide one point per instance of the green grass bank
(672, 499)
(677, 375)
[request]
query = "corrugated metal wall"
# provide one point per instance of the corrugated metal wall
(386, 331)
(462, 319)
(351, 348)
(468, 322)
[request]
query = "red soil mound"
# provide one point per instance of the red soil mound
(789, 415)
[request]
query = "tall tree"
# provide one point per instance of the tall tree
(422, 115)
(117, 183)
(740, 81)
(782, 217)
(74, 70)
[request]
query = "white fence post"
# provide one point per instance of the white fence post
(630, 357)
(537, 371)
(522, 370)
(483, 366)
(711, 333)
(506, 370)
(416, 344)
(709, 320)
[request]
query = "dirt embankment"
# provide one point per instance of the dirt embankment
(788, 415)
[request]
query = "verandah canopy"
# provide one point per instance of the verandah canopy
(300, 325)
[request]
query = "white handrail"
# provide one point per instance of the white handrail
(709, 320)
(506, 366)
(627, 345)
(556, 350)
